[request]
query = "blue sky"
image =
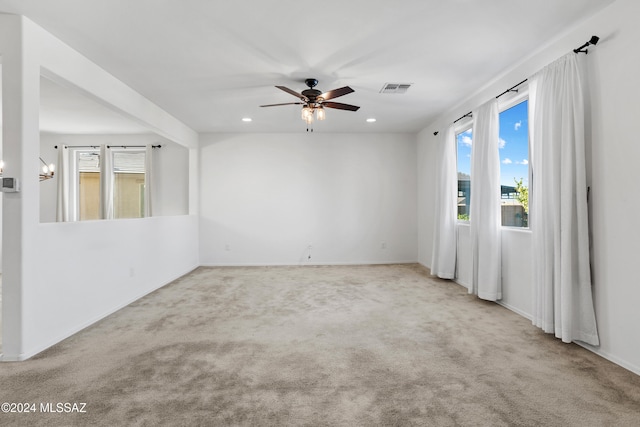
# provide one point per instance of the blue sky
(514, 147)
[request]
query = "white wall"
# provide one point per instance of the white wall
(612, 70)
(0, 197)
(84, 271)
(427, 152)
(266, 197)
(170, 193)
(170, 180)
(61, 277)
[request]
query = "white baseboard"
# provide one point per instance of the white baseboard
(458, 282)
(310, 264)
(515, 310)
(626, 365)
(618, 361)
(33, 351)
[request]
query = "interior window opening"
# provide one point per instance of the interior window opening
(126, 176)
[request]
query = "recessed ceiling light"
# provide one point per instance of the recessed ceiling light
(246, 119)
(371, 120)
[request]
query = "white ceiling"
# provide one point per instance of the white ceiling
(65, 110)
(211, 63)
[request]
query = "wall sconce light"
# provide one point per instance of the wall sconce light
(47, 170)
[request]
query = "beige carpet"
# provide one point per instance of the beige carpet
(319, 346)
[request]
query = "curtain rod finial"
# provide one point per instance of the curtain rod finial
(583, 49)
(435, 133)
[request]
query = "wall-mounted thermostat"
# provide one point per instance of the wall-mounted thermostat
(10, 185)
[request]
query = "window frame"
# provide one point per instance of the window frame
(112, 152)
(505, 102)
(74, 174)
(461, 127)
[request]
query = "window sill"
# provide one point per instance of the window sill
(502, 227)
(516, 229)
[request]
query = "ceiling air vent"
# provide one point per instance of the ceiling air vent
(395, 87)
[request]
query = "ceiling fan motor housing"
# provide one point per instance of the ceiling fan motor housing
(312, 94)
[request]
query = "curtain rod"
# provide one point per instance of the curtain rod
(469, 114)
(511, 89)
(133, 146)
(110, 146)
(582, 49)
(78, 146)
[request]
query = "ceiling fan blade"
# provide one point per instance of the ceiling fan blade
(293, 92)
(336, 93)
(340, 106)
(286, 103)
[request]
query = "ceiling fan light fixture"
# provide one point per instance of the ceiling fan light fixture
(307, 114)
(320, 113)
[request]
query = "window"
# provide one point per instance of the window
(464, 140)
(128, 181)
(514, 165)
(88, 180)
(128, 184)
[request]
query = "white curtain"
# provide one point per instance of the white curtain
(562, 300)
(106, 182)
(148, 179)
(445, 234)
(485, 216)
(65, 210)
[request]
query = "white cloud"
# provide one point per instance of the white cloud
(507, 161)
(523, 162)
(466, 140)
(517, 125)
(502, 143)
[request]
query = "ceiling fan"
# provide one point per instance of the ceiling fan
(315, 101)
